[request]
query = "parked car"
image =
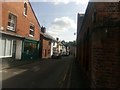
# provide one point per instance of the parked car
(65, 54)
(56, 55)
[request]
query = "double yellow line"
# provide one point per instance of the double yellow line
(67, 72)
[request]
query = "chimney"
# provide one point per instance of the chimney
(43, 29)
(57, 39)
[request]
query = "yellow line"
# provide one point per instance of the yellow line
(65, 74)
(61, 82)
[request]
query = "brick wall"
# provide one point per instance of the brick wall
(0, 13)
(46, 50)
(99, 46)
(23, 22)
(106, 57)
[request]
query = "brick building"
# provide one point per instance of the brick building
(20, 31)
(98, 43)
(47, 43)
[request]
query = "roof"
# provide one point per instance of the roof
(48, 36)
(34, 13)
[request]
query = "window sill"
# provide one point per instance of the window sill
(5, 56)
(25, 15)
(9, 29)
(31, 35)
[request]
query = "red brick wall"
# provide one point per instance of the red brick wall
(0, 13)
(46, 49)
(106, 58)
(99, 49)
(23, 22)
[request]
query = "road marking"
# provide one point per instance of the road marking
(4, 71)
(69, 77)
(15, 72)
(36, 68)
(18, 72)
(65, 75)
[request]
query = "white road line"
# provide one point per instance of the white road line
(4, 71)
(18, 72)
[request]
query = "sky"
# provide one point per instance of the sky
(59, 16)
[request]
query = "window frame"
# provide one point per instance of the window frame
(31, 30)
(5, 48)
(12, 19)
(25, 9)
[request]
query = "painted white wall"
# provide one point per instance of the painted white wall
(51, 49)
(18, 49)
(63, 49)
(53, 45)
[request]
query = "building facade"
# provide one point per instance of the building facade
(47, 44)
(98, 44)
(20, 31)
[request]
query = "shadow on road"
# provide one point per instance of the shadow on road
(78, 77)
(43, 74)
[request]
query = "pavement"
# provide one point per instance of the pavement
(11, 63)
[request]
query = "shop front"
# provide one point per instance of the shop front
(30, 49)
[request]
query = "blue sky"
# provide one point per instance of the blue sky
(59, 17)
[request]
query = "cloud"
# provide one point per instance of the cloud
(56, 2)
(61, 25)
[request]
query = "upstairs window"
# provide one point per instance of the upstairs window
(25, 8)
(31, 30)
(11, 22)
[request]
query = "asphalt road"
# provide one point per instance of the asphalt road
(50, 73)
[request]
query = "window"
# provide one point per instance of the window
(25, 8)
(11, 22)
(30, 48)
(6, 47)
(31, 30)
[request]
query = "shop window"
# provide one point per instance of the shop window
(31, 30)
(11, 22)
(30, 48)
(25, 8)
(6, 47)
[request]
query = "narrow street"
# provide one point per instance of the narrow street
(44, 74)
(50, 73)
